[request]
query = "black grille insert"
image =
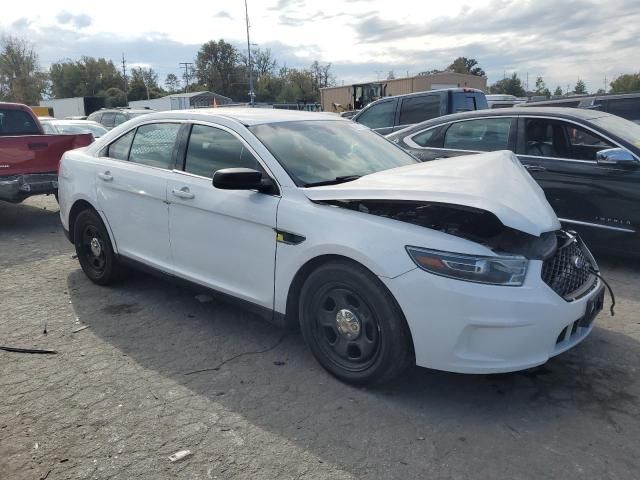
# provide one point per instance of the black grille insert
(568, 271)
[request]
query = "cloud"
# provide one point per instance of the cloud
(224, 15)
(21, 23)
(287, 5)
(79, 21)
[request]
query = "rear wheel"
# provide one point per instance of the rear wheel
(93, 248)
(352, 324)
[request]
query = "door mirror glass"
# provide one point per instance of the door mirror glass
(617, 157)
(238, 179)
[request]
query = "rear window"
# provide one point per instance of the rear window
(17, 122)
(418, 109)
(467, 101)
(628, 108)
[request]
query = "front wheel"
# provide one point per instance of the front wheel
(93, 248)
(353, 325)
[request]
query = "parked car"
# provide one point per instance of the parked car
(395, 113)
(314, 220)
(504, 101)
(587, 162)
(625, 105)
(55, 126)
(113, 117)
(29, 158)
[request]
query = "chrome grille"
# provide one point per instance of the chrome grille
(568, 271)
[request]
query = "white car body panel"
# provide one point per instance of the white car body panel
(226, 240)
(492, 181)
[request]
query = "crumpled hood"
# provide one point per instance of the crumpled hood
(493, 181)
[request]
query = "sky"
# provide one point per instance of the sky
(560, 40)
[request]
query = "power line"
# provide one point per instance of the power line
(186, 73)
(249, 65)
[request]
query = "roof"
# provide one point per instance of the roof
(248, 116)
(196, 94)
(561, 112)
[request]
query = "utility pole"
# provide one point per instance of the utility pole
(186, 73)
(124, 77)
(605, 84)
(249, 64)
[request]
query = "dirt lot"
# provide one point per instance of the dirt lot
(118, 398)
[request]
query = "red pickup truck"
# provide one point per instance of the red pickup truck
(28, 158)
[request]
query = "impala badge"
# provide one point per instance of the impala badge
(578, 262)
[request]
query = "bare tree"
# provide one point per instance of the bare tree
(20, 77)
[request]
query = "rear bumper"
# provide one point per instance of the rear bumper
(18, 187)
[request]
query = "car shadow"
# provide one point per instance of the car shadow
(568, 408)
(23, 227)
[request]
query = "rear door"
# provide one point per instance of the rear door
(464, 137)
(131, 184)
(420, 108)
(224, 239)
(379, 117)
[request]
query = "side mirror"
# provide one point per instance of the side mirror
(241, 179)
(617, 157)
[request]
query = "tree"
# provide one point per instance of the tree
(391, 75)
(144, 84)
(20, 77)
(541, 88)
(558, 92)
(172, 82)
(114, 97)
(263, 62)
(580, 87)
(629, 82)
(509, 86)
(87, 76)
(466, 65)
(219, 69)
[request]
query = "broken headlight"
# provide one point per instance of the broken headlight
(507, 270)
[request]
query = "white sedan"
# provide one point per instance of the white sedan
(316, 221)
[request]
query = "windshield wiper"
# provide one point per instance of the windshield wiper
(335, 181)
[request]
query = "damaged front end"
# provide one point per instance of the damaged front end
(470, 223)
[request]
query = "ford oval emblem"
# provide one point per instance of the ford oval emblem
(578, 262)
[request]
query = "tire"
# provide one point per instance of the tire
(94, 249)
(353, 325)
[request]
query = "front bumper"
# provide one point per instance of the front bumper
(468, 327)
(18, 187)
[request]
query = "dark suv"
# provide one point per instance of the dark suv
(394, 113)
(112, 117)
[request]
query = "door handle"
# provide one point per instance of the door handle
(183, 193)
(106, 176)
(535, 168)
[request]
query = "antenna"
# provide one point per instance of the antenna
(249, 64)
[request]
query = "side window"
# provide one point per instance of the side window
(108, 119)
(95, 117)
(17, 122)
(628, 108)
(423, 138)
(120, 118)
(153, 144)
(419, 109)
(483, 135)
(120, 148)
(584, 144)
(211, 149)
(379, 116)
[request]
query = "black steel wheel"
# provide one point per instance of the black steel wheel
(352, 324)
(93, 248)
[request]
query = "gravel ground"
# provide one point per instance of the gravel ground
(119, 398)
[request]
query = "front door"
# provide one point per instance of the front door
(223, 239)
(131, 186)
(600, 202)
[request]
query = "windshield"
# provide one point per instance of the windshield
(624, 129)
(322, 151)
(96, 130)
